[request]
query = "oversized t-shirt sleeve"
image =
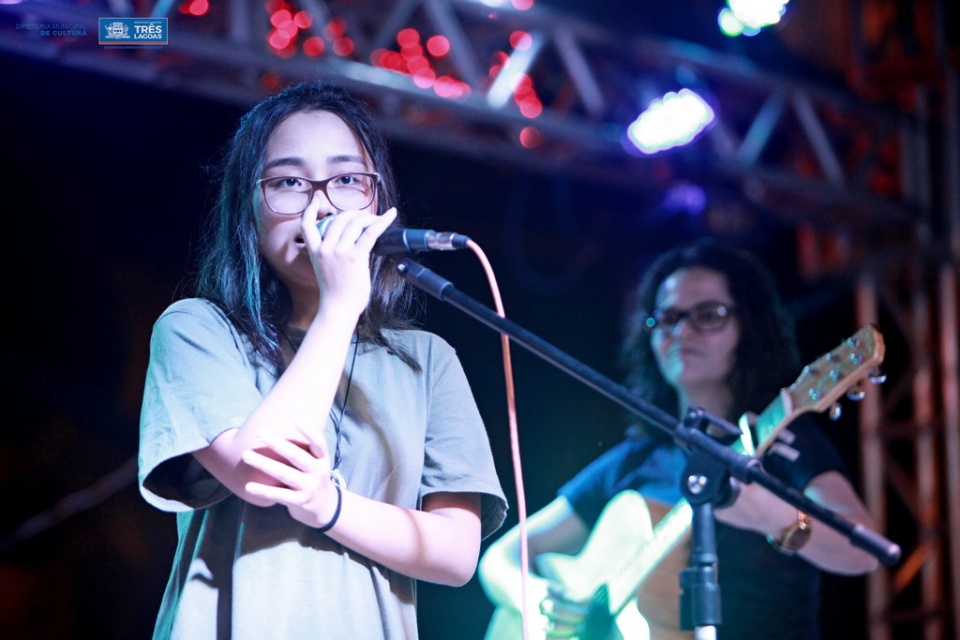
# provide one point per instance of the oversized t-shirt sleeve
(199, 383)
(457, 449)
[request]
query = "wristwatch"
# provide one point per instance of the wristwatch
(793, 537)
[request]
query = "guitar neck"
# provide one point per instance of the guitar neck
(771, 422)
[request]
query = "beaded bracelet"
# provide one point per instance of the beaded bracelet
(336, 513)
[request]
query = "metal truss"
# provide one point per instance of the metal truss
(803, 150)
(910, 443)
(910, 431)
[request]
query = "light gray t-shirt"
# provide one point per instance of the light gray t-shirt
(242, 571)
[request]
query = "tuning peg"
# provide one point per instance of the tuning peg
(877, 376)
(835, 411)
(855, 393)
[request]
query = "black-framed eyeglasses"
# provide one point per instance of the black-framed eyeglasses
(705, 317)
(291, 195)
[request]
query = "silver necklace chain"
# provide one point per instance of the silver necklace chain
(335, 475)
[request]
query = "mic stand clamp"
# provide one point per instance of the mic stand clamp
(706, 484)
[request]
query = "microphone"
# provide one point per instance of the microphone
(396, 240)
(323, 224)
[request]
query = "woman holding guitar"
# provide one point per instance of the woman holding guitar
(706, 329)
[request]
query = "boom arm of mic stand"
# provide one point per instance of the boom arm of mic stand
(742, 467)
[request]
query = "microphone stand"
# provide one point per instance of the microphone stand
(706, 479)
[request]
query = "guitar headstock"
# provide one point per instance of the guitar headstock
(822, 382)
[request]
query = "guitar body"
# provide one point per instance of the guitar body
(627, 522)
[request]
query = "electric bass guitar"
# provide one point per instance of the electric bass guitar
(624, 547)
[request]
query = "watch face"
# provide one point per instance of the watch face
(794, 540)
(793, 537)
(796, 536)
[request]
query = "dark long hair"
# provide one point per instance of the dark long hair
(232, 272)
(766, 358)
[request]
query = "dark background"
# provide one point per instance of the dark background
(105, 187)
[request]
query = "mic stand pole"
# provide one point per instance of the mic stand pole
(705, 481)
